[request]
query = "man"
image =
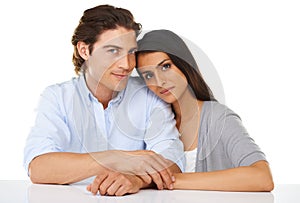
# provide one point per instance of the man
(89, 126)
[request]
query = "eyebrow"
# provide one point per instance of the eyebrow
(143, 72)
(162, 62)
(112, 46)
(117, 47)
(133, 49)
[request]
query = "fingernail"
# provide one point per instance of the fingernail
(173, 178)
(171, 187)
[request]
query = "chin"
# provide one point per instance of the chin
(119, 87)
(169, 100)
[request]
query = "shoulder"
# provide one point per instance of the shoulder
(136, 86)
(218, 117)
(139, 94)
(65, 86)
(135, 82)
(61, 90)
(216, 110)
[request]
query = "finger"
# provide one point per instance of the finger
(146, 178)
(159, 174)
(151, 166)
(159, 163)
(167, 179)
(88, 188)
(128, 185)
(165, 164)
(164, 170)
(121, 191)
(113, 188)
(162, 180)
(155, 166)
(156, 178)
(107, 183)
(164, 185)
(97, 182)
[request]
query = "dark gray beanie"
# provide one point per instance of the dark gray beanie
(168, 42)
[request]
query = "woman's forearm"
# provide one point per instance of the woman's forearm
(256, 177)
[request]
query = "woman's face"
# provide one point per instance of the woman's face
(162, 76)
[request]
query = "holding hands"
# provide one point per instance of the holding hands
(129, 171)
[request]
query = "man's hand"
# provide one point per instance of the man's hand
(148, 165)
(115, 183)
(151, 166)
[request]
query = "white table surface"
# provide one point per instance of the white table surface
(15, 191)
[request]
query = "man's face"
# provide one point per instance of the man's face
(112, 59)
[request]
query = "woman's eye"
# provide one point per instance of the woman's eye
(132, 51)
(165, 66)
(148, 76)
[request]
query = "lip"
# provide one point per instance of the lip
(166, 91)
(120, 76)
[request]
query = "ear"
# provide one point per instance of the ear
(83, 50)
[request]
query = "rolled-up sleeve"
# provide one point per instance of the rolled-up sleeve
(50, 132)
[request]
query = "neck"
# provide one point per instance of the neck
(186, 106)
(187, 113)
(101, 92)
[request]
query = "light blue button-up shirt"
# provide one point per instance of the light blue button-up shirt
(70, 119)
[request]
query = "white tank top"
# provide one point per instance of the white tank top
(190, 157)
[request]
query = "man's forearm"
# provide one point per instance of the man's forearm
(63, 168)
(66, 168)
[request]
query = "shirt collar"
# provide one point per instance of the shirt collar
(89, 97)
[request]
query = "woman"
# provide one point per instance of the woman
(220, 154)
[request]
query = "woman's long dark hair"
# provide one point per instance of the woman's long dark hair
(171, 44)
(196, 83)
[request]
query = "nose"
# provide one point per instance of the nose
(127, 62)
(160, 79)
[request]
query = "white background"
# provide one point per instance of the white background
(254, 46)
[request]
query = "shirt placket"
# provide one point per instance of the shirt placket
(101, 126)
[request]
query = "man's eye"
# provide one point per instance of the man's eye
(113, 51)
(165, 66)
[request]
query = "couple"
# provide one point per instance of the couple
(130, 133)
